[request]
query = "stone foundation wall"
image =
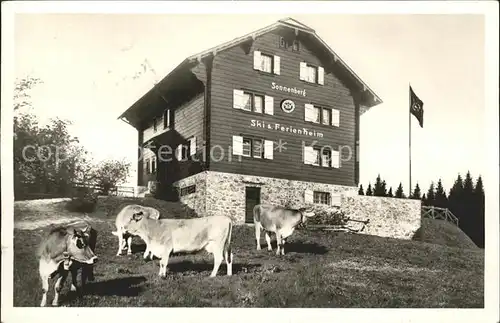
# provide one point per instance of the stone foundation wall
(226, 192)
(196, 200)
(389, 217)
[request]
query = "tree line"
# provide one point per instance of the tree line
(48, 160)
(465, 200)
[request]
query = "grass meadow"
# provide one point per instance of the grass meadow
(320, 269)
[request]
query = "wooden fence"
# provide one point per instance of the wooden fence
(439, 213)
(29, 191)
(128, 191)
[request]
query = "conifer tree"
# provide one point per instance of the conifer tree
(369, 191)
(468, 216)
(390, 194)
(379, 187)
(479, 212)
(360, 191)
(455, 201)
(431, 197)
(399, 192)
(416, 193)
(440, 199)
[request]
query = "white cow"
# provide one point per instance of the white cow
(123, 218)
(211, 233)
(280, 220)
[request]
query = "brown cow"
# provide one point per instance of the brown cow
(211, 233)
(123, 217)
(280, 220)
(66, 248)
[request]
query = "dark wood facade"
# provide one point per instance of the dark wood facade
(200, 94)
(233, 69)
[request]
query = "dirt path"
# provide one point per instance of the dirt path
(35, 214)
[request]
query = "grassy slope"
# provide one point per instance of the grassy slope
(320, 269)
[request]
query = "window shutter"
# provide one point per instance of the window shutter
(269, 105)
(268, 149)
(192, 146)
(321, 75)
(178, 152)
(335, 118)
(256, 60)
(309, 156)
(336, 199)
(309, 112)
(308, 196)
(237, 145)
(335, 159)
(238, 97)
(277, 65)
(303, 68)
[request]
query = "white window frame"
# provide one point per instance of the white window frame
(240, 97)
(323, 198)
(310, 115)
(250, 143)
(319, 73)
(258, 62)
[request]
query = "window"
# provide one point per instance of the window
(311, 73)
(266, 62)
(326, 118)
(186, 148)
(253, 147)
(316, 157)
(322, 115)
(153, 165)
(258, 103)
(166, 119)
(247, 147)
(253, 102)
(155, 124)
(323, 157)
(295, 46)
(322, 198)
(187, 190)
(326, 160)
(183, 152)
(257, 148)
(147, 165)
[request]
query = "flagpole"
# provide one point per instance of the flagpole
(409, 134)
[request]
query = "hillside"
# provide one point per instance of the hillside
(443, 233)
(320, 269)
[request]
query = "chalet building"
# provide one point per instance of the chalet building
(270, 117)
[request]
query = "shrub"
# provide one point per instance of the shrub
(84, 200)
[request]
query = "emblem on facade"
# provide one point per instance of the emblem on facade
(288, 106)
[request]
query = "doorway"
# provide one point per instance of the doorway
(252, 198)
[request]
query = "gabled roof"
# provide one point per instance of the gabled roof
(291, 23)
(287, 22)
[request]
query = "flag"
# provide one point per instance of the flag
(417, 107)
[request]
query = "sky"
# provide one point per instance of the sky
(88, 61)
